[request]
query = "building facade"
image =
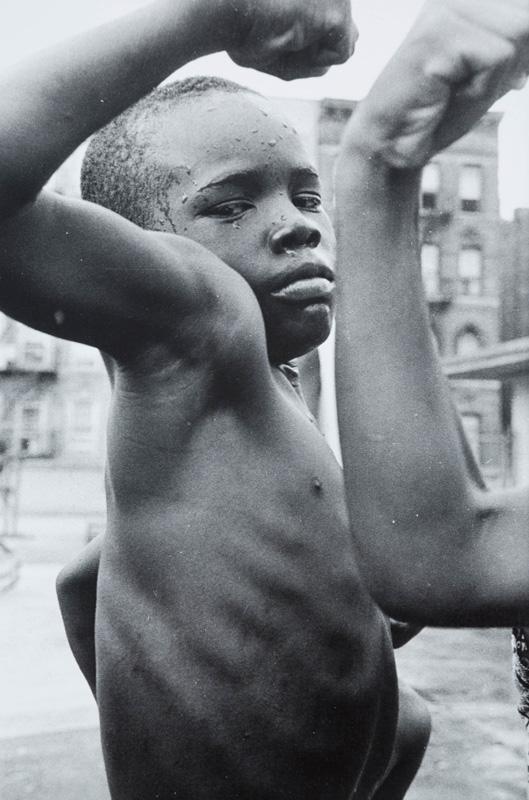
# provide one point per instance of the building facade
(515, 289)
(464, 247)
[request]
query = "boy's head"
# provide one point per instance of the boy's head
(209, 159)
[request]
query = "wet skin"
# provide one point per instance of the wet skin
(238, 653)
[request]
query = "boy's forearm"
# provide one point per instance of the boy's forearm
(51, 104)
(412, 501)
(383, 309)
(403, 463)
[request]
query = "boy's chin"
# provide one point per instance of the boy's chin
(295, 340)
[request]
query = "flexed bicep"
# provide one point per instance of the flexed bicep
(78, 271)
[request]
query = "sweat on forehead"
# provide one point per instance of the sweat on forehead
(117, 172)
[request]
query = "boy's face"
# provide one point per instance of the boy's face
(245, 189)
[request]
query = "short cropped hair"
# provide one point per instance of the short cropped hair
(117, 174)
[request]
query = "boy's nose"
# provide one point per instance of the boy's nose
(291, 236)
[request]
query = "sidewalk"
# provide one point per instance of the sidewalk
(49, 738)
(41, 687)
(49, 741)
(478, 743)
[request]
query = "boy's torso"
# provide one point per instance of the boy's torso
(239, 654)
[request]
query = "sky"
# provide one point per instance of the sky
(28, 25)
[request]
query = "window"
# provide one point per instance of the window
(430, 183)
(31, 432)
(470, 268)
(34, 354)
(82, 357)
(470, 188)
(35, 351)
(467, 342)
(472, 427)
(430, 260)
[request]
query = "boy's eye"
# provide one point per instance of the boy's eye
(230, 209)
(308, 201)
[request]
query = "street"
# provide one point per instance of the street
(49, 743)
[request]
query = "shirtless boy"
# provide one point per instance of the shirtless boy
(238, 652)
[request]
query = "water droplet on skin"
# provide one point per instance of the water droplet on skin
(255, 130)
(185, 198)
(272, 142)
(264, 113)
(316, 485)
(285, 125)
(236, 225)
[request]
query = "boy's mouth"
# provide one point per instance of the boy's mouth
(308, 283)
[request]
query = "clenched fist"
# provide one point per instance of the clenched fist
(292, 38)
(459, 57)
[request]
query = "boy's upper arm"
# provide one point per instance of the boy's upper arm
(81, 272)
(478, 575)
(495, 589)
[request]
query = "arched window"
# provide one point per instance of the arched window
(470, 270)
(467, 342)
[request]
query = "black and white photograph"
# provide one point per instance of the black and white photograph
(264, 400)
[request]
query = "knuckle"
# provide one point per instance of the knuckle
(345, 52)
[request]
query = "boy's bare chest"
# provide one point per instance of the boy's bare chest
(192, 441)
(256, 493)
(250, 575)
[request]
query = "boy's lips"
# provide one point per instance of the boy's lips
(308, 283)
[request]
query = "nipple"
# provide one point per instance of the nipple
(316, 486)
